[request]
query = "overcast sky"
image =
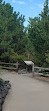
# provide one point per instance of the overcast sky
(29, 8)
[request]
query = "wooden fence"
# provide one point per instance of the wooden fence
(14, 66)
(41, 69)
(9, 66)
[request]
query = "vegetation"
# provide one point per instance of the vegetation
(1, 80)
(24, 43)
(39, 35)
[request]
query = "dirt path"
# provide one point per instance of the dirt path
(26, 94)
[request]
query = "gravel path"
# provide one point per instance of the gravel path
(26, 94)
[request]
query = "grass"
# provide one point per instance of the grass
(45, 73)
(1, 80)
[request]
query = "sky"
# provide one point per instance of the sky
(28, 8)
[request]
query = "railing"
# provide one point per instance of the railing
(14, 66)
(41, 71)
(41, 68)
(9, 66)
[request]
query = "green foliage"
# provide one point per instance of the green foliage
(39, 35)
(20, 43)
(47, 58)
(12, 34)
(1, 80)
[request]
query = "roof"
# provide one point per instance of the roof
(29, 62)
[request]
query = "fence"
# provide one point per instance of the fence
(9, 66)
(14, 66)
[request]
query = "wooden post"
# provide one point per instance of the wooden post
(17, 66)
(26, 68)
(33, 69)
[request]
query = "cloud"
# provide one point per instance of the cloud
(13, 1)
(41, 5)
(21, 2)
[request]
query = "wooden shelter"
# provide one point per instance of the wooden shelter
(29, 66)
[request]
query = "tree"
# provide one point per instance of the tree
(12, 34)
(39, 34)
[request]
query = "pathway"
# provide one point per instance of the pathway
(26, 94)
